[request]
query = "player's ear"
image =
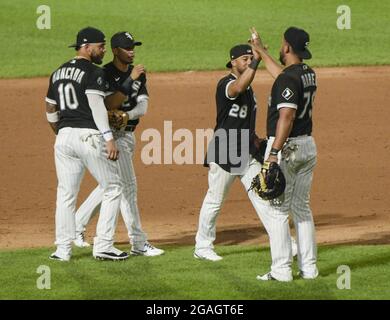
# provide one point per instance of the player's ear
(87, 48)
(114, 51)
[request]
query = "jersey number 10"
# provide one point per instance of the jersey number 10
(68, 98)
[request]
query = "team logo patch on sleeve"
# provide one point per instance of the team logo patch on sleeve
(99, 81)
(287, 94)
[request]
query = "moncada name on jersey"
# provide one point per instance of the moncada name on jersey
(68, 73)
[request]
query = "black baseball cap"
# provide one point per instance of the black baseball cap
(124, 40)
(238, 51)
(88, 35)
(298, 39)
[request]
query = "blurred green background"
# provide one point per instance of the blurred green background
(189, 34)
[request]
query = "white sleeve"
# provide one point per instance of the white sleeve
(227, 91)
(99, 114)
(140, 109)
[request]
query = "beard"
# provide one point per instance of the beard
(281, 58)
(96, 59)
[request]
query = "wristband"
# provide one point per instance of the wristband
(274, 152)
(125, 87)
(254, 63)
(53, 117)
(107, 135)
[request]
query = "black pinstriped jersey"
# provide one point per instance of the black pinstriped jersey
(233, 113)
(294, 88)
(116, 77)
(68, 87)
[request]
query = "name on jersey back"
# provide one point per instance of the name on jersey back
(68, 73)
(309, 79)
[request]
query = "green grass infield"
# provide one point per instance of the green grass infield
(177, 275)
(190, 34)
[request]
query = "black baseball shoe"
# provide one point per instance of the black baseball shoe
(113, 254)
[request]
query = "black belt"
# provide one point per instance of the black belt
(301, 135)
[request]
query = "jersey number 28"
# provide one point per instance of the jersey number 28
(237, 111)
(68, 98)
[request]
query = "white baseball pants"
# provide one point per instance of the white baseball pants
(274, 221)
(128, 204)
(75, 150)
(297, 161)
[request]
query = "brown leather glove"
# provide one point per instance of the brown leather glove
(117, 119)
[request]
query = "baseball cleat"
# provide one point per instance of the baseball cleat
(113, 255)
(148, 251)
(55, 256)
(80, 241)
(268, 277)
(308, 276)
(207, 255)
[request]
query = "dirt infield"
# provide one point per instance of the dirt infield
(349, 197)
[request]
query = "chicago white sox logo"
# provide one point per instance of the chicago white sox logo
(135, 86)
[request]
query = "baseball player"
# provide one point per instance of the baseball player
(127, 91)
(289, 129)
(235, 135)
(77, 114)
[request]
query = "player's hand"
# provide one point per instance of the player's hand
(254, 42)
(112, 150)
(137, 71)
(257, 45)
(255, 39)
(272, 158)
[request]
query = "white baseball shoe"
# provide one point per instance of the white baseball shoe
(308, 276)
(207, 254)
(80, 241)
(268, 277)
(59, 257)
(265, 277)
(148, 251)
(294, 247)
(113, 254)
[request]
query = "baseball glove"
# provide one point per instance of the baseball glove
(117, 119)
(270, 182)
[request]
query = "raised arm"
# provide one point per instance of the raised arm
(272, 66)
(245, 79)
